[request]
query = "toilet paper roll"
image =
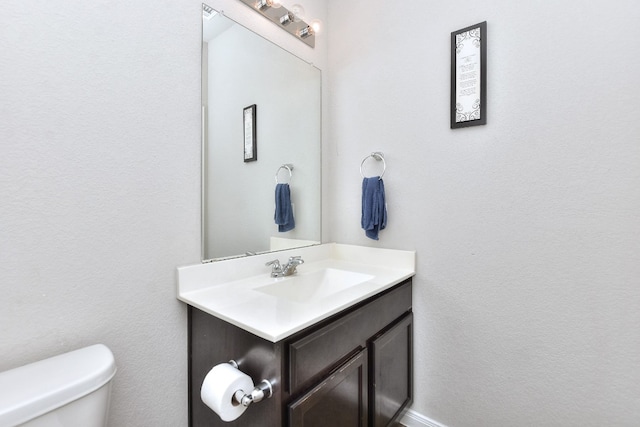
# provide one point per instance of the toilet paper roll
(218, 388)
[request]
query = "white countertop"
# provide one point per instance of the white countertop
(227, 289)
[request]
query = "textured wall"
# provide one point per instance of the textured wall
(99, 182)
(527, 230)
(100, 186)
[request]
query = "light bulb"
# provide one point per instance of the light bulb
(298, 12)
(316, 24)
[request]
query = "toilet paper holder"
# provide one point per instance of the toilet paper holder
(263, 390)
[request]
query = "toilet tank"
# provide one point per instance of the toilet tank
(71, 389)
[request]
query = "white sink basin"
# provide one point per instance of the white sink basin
(332, 278)
(315, 285)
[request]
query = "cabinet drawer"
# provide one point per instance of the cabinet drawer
(314, 355)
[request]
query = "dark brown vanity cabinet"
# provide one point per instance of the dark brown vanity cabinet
(353, 369)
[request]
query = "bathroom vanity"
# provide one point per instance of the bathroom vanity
(341, 357)
(334, 340)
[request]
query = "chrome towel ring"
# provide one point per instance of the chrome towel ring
(287, 166)
(378, 156)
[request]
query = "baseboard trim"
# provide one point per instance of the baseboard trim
(413, 419)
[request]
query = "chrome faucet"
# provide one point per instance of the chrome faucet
(278, 270)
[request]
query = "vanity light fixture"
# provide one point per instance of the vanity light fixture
(290, 20)
(263, 5)
(306, 32)
(286, 19)
(208, 12)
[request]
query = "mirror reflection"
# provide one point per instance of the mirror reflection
(239, 70)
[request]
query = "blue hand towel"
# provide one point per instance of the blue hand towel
(374, 209)
(284, 211)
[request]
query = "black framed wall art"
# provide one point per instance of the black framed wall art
(250, 132)
(469, 76)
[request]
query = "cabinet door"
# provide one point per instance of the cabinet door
(338, 401)
(316, 353)
(392, 371)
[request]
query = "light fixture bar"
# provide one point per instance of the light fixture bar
(283, 18)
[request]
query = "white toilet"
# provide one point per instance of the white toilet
(69, 390)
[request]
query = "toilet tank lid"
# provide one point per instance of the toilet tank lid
(35, 389)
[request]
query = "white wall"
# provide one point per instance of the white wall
(100, 186)
(527, 229)
(99, 182)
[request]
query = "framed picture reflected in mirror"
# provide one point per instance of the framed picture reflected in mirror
(250, 132)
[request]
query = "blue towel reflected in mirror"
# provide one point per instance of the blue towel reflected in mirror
(284, 211)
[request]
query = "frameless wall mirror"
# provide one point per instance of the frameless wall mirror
(261, 110)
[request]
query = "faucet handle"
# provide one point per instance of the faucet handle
(276, 268)
(297, 259)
